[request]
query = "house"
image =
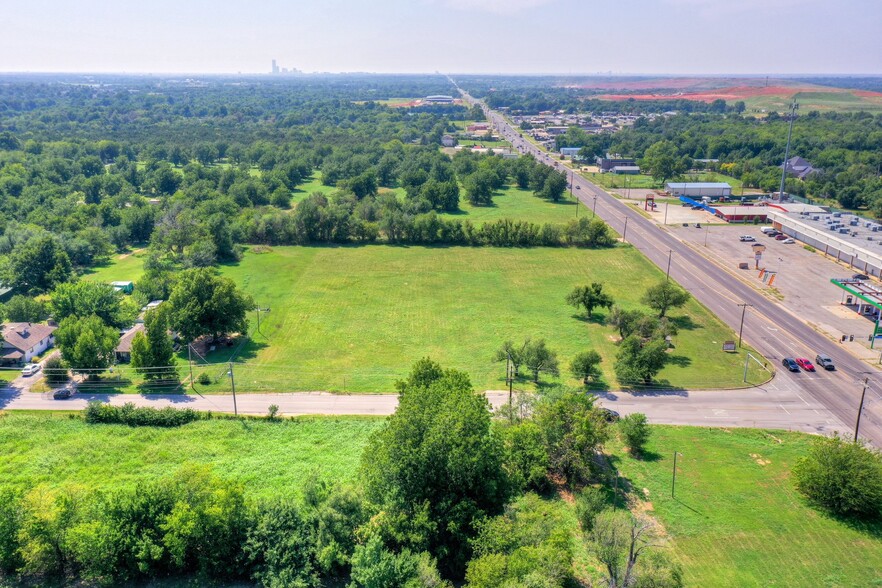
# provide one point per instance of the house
(799, 167)
(126, 287)
(448, 141)
(123, 349)
(570, 151)
(699, 189)
(23, 341)
(610, 161)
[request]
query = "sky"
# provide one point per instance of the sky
(451, 36)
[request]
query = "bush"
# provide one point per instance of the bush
(590, 502)
(273, 412)
(635, 432)
(55, 371)
(280, 546)
(204, 379)
(842, 477)
(144, 416)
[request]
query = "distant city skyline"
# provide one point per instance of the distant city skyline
(650, 37)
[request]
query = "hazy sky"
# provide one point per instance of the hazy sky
(504, 36)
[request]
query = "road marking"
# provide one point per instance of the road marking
(784, 409)
(803, 399)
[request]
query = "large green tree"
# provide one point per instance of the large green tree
(664, 296)
(86, 344)
(203, 303)
(589, 297)
(640, 360)
(663, 161)
(38, 265)
(85, 298)
(24, 309)
(152, 351)
(435, 469)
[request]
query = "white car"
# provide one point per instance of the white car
(788, 241)
(746, 238)
(30, 369)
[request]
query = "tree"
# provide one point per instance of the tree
(86, 344)
(152, 352)
(85, 298)
(635, 432)
(589, 297)
(843, 477)
(55, 371)
(620, 540)
(573, 430)
(479, 187)
(436, 468)
(38, 265)
(538, 358)
(554, 186)
(664, 296)
(512, 353)
(639, 361)
(24, 309)
(663, 161)
(203, 303)
(586, 366)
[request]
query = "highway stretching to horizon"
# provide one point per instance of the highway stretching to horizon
(769, 328)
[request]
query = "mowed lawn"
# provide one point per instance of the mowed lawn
(121, 267)
(355, 319)
(517, 204)
(737, 520)
(268, 458)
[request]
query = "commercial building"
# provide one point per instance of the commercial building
(629, 170)
(570, 151)
(438, 99)
(699, 189)
(610, 161)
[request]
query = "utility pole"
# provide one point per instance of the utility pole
(706, 232)
(233, 385)
(741, 328)
(625, 231)
(793, 108)
(666, 213)
(594, 210)
(668, 274)
(674, 473)
(857, 424)
(190, 362)
(260, 310)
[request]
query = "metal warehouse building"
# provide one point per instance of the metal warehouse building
(699, 189)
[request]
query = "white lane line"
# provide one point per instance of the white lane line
(784, 409)
(803, 399)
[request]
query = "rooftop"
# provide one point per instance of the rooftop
(698, 185)
(24, 336)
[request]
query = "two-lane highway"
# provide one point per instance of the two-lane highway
(769, 328)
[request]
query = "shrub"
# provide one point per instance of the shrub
(590, 502)
(842, 477)
(55, 371)
(144, 416)
(635, 432)
(204, 379)
(273, 412)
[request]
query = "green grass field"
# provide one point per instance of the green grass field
(642, 181)
(834, 100)
(514, 203)
(356, 318)
(737, 520)
(268, 458)
(121, 267)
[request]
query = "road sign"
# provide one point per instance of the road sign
(729, 346)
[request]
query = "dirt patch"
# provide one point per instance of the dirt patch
(759, 459)
(130, 253)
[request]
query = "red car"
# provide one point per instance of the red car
(805, 364)
(780, 237)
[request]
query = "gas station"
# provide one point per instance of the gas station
(865, 298)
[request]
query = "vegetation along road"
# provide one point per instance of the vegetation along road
(771, 330)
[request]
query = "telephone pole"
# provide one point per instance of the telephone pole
(233, 385)
(857, 425)
(668, 273)
(260, 310)
(625, 231)
(741, 328)
(190, 362)
(674, 473)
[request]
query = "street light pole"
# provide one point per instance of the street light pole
(594, 209)
(674, 473)
(793, 108)
(625, 231)
(666, 213)
(668, 273)
(741, 328)
(857, 424)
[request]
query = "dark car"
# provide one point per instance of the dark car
(860, 277)
(825, 362)
(780, 237)
(790, 364)
(773, 233)
(62, 394)
(609, 416)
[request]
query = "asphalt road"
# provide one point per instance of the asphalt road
(768, 327)
(765, 407)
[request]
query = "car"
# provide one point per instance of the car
(746, 238)
(30, 369)
(62, 394)
(788, 241)
(790, 364)
(780, 237)
(860, 277)
(825, 362)
(609, 415)
(805, 364)
(772, 233)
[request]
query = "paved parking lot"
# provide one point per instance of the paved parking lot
(802, 283)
